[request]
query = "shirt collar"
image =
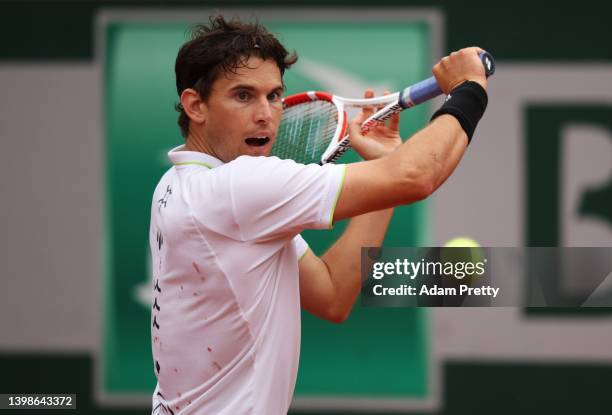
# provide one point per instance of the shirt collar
(180, 157)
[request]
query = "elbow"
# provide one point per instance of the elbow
(337, 316)
(426, 186)
(418, 185)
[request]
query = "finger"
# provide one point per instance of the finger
(477, 49)
(381, 106)
(354, 129)
(394, 119)
(394, 122)
(367, 111)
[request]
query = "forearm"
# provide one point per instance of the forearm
(343, 258)
(454, 125)
(433, 153)
(409, 174)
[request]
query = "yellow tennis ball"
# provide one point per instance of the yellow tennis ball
(464, 253)
(461, 242)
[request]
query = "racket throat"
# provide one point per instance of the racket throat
(341, 141)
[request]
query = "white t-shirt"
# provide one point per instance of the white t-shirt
(226, 306)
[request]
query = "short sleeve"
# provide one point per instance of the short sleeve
(301, 246)
(274, 198)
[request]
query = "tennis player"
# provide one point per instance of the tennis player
(230, 268)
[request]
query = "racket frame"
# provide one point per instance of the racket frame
(340, 142)
(393, 103)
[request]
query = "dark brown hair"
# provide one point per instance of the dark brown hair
(219, 47)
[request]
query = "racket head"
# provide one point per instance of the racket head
(314, 125)
(311, 124)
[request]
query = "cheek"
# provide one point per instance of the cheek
(224, 122)
(235, 118)
(277, 114)
(230, 128)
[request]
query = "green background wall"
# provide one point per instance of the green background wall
(51, 32)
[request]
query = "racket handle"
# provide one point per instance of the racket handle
(428, 89)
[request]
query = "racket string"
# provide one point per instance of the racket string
(305, 132)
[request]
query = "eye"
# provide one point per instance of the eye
(243, 96)
(274, 97)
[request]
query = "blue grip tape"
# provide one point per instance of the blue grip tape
(419, 92)
(428, 89)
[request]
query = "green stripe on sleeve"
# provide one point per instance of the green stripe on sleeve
(304, 254)
(194, 162)
(331, 215)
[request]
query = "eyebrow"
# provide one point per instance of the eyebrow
(280, 88)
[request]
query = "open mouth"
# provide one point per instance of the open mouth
(257, 141)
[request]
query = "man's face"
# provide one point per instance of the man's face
(244, 110)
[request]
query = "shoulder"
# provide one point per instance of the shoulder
(247, 163)
(272, 168)
(164, 181)
(249, 171)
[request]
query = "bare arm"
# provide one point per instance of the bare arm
(409, 174)
(329, 285)
(395, 174)
(420, 165)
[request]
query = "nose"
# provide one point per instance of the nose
(263, 112)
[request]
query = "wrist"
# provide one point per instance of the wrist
(480, 80)
(467, 104)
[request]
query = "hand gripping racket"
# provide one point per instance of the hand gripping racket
(313, 125)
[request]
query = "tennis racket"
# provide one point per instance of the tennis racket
(313, 126)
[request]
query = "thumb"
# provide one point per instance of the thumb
(354, 128)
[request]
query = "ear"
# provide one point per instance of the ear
(194, 106)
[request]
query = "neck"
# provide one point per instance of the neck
(197, 143)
